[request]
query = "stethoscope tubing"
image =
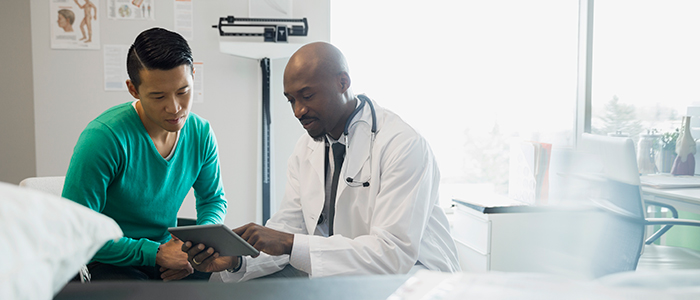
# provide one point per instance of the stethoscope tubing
(363, 100)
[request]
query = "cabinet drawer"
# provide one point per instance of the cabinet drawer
(470, 260)
(471, 231)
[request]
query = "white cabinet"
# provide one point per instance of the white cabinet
(471, 232)
(510, 238)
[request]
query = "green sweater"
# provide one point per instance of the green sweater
(117, 171)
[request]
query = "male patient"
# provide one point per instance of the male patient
(137, 161)
(383, 218)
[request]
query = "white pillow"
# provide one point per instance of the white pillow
(44, 241)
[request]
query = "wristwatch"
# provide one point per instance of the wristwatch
(237, 268)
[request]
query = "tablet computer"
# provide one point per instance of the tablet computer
(217, 236)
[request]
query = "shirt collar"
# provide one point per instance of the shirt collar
(342, 139)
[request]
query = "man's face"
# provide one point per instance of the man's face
(166, 97)
(317, 103)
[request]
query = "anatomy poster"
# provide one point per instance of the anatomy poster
(131, 9)
(74, 24)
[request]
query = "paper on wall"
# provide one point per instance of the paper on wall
(183, 18)
(270, 8)
(115, 75)
(198, 83)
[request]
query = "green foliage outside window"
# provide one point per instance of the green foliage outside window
(668, 141)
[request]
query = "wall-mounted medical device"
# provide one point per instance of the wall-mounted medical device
(275, 33)
(271, 29)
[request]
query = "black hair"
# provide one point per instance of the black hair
(158, 49)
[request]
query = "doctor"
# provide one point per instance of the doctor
(377, 214)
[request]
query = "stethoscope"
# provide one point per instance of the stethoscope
(354, 182)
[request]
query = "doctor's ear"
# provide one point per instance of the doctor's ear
(344, 81)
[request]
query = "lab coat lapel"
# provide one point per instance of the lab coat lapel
(316, 158)
(314, 200)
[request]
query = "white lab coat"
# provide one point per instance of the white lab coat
(381, 229)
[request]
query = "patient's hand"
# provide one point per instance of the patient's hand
(173, 261)
(208, 260)
(171, 274)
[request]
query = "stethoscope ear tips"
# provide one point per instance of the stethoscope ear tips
(349, 180)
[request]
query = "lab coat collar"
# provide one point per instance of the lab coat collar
(342, 138)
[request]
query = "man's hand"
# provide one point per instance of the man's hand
(172, 274)
(173, 261)
(208, 261)
(267, 240)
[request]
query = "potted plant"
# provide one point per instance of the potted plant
(666, 151)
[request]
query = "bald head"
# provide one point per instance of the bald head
(319, 57)
(317, 84)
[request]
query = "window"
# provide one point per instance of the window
(646, 65)
(471, 76)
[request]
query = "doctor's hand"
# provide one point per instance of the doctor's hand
(173, 261)
(208, 260)
(267, 240)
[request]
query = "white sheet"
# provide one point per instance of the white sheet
(45, 240)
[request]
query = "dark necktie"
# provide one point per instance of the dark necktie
(338, 156)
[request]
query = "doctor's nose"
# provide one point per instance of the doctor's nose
(300, 110)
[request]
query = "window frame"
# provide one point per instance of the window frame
(583, 111)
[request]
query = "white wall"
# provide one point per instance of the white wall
(17, 159)
(68, 93)
(285, 131)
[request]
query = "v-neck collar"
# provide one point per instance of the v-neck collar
(145, 135)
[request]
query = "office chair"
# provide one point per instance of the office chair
(50, 184)
(660, 257)
(613, 161)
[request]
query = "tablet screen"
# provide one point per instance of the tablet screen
(217, 236)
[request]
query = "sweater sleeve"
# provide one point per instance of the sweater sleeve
(97, 158)
(208, 189)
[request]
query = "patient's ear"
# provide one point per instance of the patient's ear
(132, 89)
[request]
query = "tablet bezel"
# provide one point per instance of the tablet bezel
(217, 236)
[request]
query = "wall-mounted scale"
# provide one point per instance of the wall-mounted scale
(275, 44)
